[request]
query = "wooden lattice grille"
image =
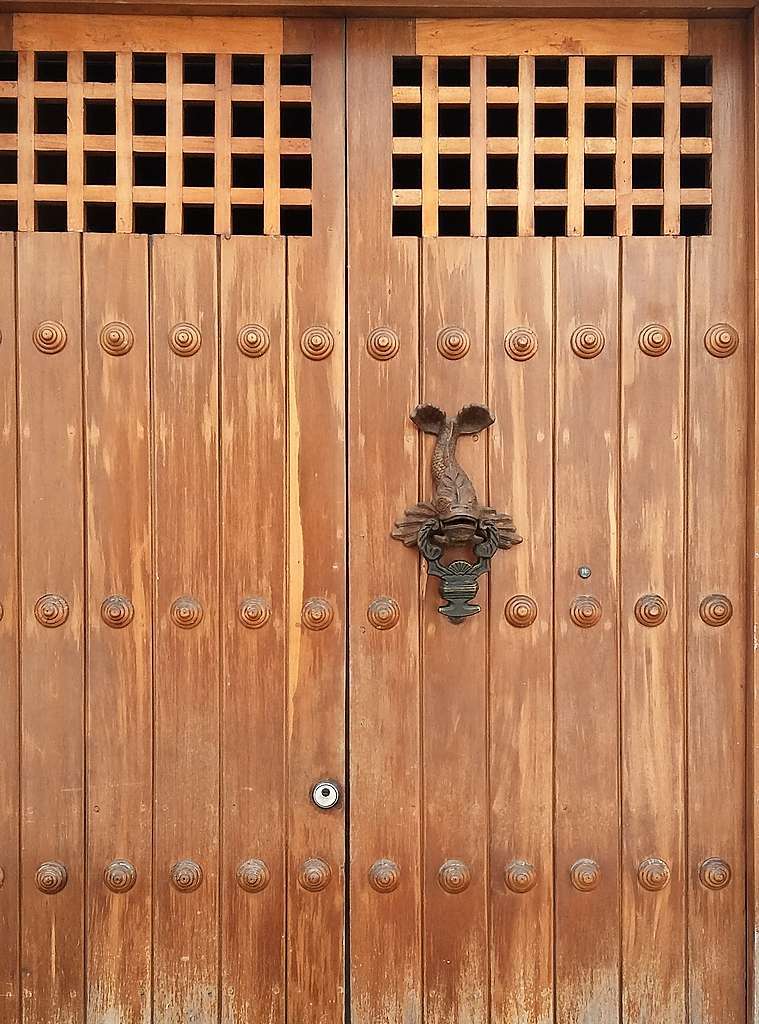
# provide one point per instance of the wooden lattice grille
(153, 142)
(552, 145)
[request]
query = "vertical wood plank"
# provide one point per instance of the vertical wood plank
(478, 142)
(454, 688)
(52, 650)
(254, 546)
(75, 141)
(752, 803)
(526, 141)
(25, 186)
(586, 680)
(576, 147)
(385, 926)
(652, 649)
(271, 144)
(124, 129)
(671, 145)
(429, 147)
(174, 143)
(520, 285)
(223, 144)
(316, 560)
(717, 494)
(10, 993)
(119, 669)
(186, 636)
(623, 163)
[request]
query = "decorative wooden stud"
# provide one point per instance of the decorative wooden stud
(51, 610)
(317, 343)
(315, 874)
(186, 875)
(186, 612)
(253, 875)
(51, 877)
(654, 340)
(117, 611)
(584, 874)
(587, 341)
(721, 340)
(253, 340)
(383, 343)
(651, 610)
(520, 611)
(453, 342)
(2, 871)
(116, 338)
(520, 876)
(120, 876)
(521, 343)
(317, 613)
(2, 611)
(585, 611)
(715, 873)
(384, 876)
(716, 609)
(185, 339)
(383, 613)
(49, 336)
(654, 874)
(454, 876)
(253, 612)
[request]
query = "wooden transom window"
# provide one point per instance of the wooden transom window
(198, 143)
(578, 145)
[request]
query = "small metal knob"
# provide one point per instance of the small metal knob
(325, 794)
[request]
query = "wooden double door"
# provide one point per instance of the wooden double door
(205, 444)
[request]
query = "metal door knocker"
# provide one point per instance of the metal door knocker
(455, 516)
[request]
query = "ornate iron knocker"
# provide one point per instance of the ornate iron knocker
(455, 516)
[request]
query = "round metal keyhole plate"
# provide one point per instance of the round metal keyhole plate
(326, 794)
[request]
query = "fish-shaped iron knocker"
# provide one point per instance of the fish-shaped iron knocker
(455, 516)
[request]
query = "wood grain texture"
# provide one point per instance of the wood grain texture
(10, 991)
(652, 471)
(454, 670)
(119, 664)
(253, 474)
(186, 660)
(752, 708)
(316, 539)
(520, 393)
(384, 8)
(52, 658)
(586, 664)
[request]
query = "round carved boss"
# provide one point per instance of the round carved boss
(383, 344)
(253, 875)
(51, 610)
(716, 609)
(51, 877)
(116, 338)
(186, 612)
(185, 339)
(186, 875)
(454, 876)
(317, 342)
(317, 613)
(587, 341)
(654, 874)
(651, 610)
(117, 611)
(253, 612)
(715, 873)
(721, 340)
(453, 342)
(383, 613)
(520, 876)
(520, 611)
(654, 340)
(120, 876)
(521, 343)
(585, 611)
(49, 336)
(584, 874)
(253, 340)
(315, 874)
(384, 875)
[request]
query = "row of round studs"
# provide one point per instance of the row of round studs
(520, 611)
(315, 874)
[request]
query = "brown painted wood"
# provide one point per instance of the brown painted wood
(520, 393)
(385, 926)
(52, 656)
(186, 660)
(10, 991)
(316, 547)
(454, 715)
(652, 537)
(254, 642)
(586, 666)
(119, 715)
